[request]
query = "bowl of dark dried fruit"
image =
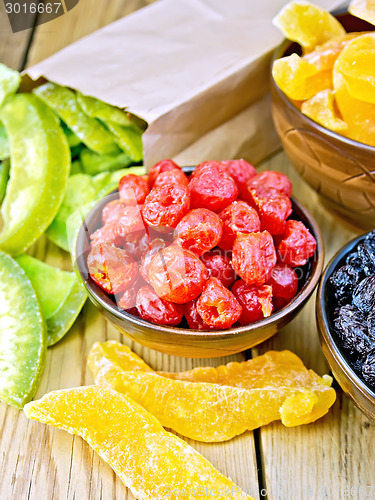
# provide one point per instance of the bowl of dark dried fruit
(346, 320)
(200, 262)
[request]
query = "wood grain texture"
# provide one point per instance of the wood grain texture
(13, 46)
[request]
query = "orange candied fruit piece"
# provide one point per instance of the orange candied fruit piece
(322, 109)
(324, 56)
(364, 9)
(307, 24)
(299, 79)
(215, 404)
(147, 458)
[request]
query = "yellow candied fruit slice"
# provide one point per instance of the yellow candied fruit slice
(358, 114)
(307, 24)
(299, 79)
(216, 404)
(364, 9)
(321, 108)
(152, 462)
(324, 56)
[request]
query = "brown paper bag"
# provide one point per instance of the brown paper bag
(197, 71)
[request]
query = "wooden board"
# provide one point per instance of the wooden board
(333, 458)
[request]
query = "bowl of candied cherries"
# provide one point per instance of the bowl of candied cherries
(346, 320)
(203, 261)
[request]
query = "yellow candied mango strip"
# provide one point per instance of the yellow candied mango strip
(299, 79)
(153, 463)
(364, 9)
(307, 24)
(321, 108)
(324, 56)
(210, 412)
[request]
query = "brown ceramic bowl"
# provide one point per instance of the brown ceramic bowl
(341, 170)
(181, 341)
(350, 381)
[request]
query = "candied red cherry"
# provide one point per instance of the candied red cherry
(218, 165)
(112, 268)
(284, 282)
(152, 308)
(155, 246)
(127, 300)
(241, 171)
(107, 234)
(136, 244)
(296, 244)
(219, 266)
(193, 319)
(166, 205)
(273, 207)
(256, 301)
(217, 305)
(254, 257)
(176, 176)
(111, 212)
(162, 166)
(133, 189)
(199, 231)
(129, 221)
(212, 188)
(177, 274)
(238, 217)
(270, 178)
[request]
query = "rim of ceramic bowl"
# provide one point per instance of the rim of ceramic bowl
(278, 53)
(324, 323)
(107, 303)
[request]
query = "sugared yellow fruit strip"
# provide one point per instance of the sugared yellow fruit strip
(324, 56)
(364, 9)
(221, 410)
(356, 63)
(299, 79)
(321, 109)
(152, 462)
(307, 24)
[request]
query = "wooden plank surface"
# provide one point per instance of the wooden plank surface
(333, 458)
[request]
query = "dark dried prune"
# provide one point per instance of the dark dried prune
(351, 327)
(367, 255)
(368, 367)
(371, 325)
(354, 260)
(364, 294)
(344, 280)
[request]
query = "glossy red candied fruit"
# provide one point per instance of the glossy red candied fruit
(241, 171)
(212, 188)
(217, 305)
(112, 268)
(256, 301)
(112, 210)
(158, 168)
(155, 246)
(238, 217)
(193, 319)
(133, 189)
(219, 265)
(152, 308)
(129, 221)
(270, 178)
(199, 231)
(218, 165)
(272, 206)
(136, 244)
(175, 176)
(106, 234)
(127, 299)
(166, 205)
(296, 244)
(254, 257)
(177, 274)
(284, 282)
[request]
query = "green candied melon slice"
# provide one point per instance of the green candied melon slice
(91, 132)
(4, 178)
(98, 109)
(63, 305)
(94, 164)
(4, 144)
(22, 335)
(9, 82)
(129, 140)
(40, 165)
(81, 190)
